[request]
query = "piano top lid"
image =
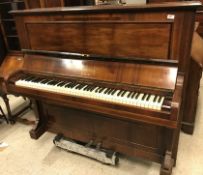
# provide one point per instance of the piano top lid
(117, 8)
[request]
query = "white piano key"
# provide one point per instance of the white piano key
(94, 94)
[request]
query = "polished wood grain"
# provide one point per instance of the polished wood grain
(96, 37)
(194, 75)
(114, 72)
(119, 33)
(143, 34)
(127, 123)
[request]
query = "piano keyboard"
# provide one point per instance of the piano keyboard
(116, 95)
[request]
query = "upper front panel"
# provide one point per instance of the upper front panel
(118, 38)
(145, 32)
(145, 35)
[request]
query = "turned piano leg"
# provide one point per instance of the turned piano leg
(40, 123)
(6, 101)
(168, 163)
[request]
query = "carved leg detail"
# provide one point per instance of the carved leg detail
(166, 168)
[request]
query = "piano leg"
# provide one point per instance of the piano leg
(166, 168)
(40, 123)
(6, 101)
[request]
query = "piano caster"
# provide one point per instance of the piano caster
(166, 168)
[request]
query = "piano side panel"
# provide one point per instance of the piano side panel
(11, 64)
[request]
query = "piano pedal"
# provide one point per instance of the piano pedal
(104, 156)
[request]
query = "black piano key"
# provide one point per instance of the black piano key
(38, 80)
(89, 88)
(42, 81)
(33, 80)
(114, 91)
(81, 86)
(74, 85)
(23, 78)
(49, 83)
(85, 89)
(136, 97)
(133, 95)
(77, 85)
(65, 84)
(148, 97)
(155, 98)
(45, 81)
(129, 94)
(121, 91)
(106, 90)
(101, 90)
(61, 83)
(29, 78)
(93, 88)
(143, 97)
(68, 85)
(55, 82)
(110, 92)
(159, 100)
(97, 90)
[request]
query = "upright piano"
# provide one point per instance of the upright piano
(111, 74)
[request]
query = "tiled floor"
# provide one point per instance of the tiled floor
(26, 156)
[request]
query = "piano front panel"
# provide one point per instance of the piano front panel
(124, 136)
(146, 35)
(146, 40)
